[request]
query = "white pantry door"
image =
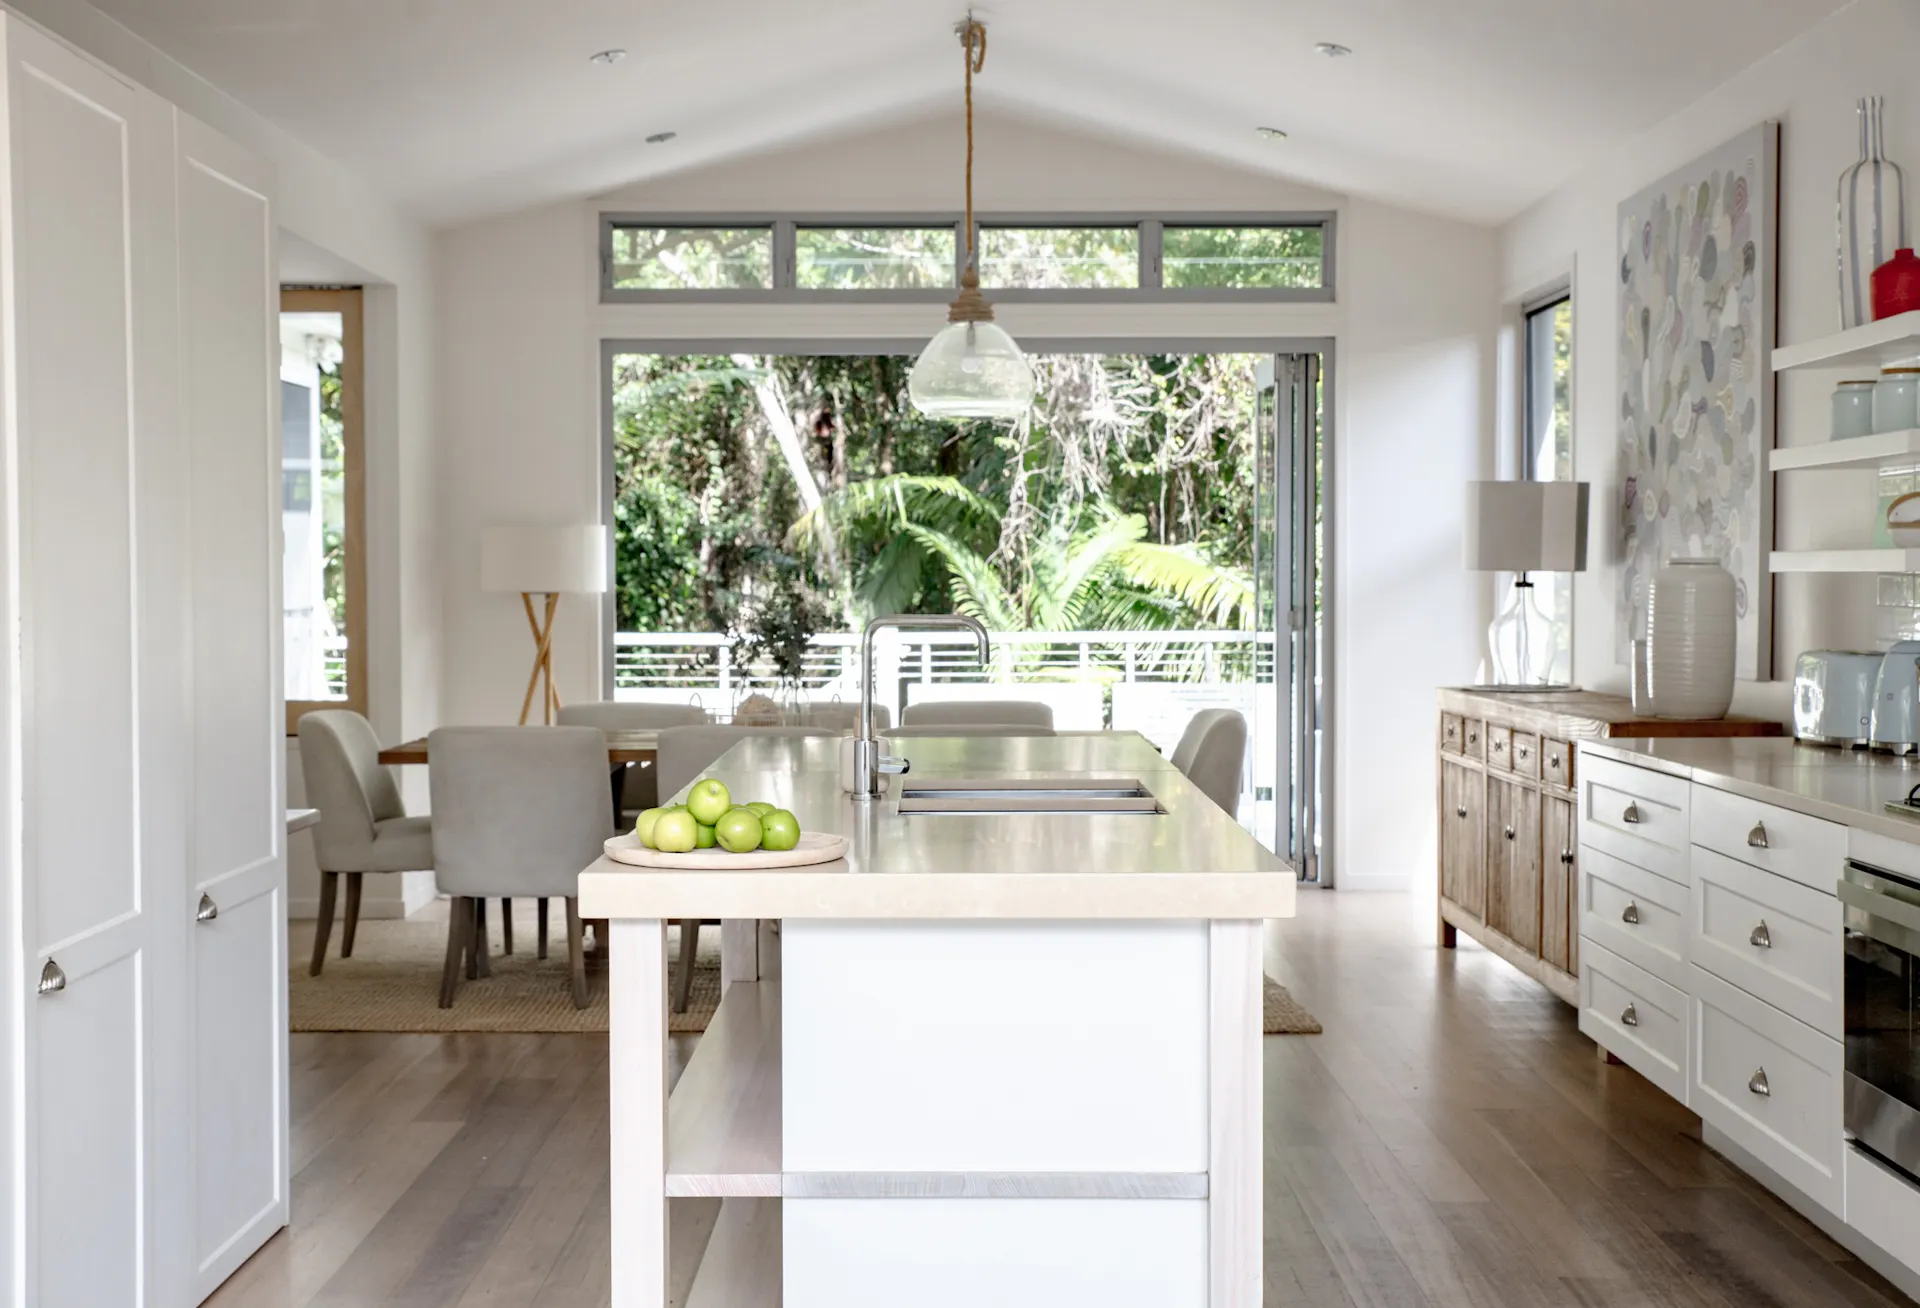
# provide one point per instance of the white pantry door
(88, 899)
(229, 346)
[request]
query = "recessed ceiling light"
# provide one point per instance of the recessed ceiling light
(1333, 49)
(1272, 133)
(661, 138)
(609, 56)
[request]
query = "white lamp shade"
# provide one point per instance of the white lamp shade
(1526, 526)
(971, 370)
(544, 560)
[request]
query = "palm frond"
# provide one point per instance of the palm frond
(977, 589)
(1216, 594)
(944, 503)
(890, 582)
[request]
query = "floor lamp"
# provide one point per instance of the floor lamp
(548, 562)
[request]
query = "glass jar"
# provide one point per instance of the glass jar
(1853, 409)
(1896, 399)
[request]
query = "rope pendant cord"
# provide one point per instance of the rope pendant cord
(970, 305)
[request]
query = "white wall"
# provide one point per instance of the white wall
(341, 229)
(521, 423)
(1810, 85)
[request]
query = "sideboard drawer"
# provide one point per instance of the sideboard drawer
(1525, 753)
(1499, 746)
(1452, 733)
(1556, 762)
(1635, 1016)
(1636, 814)
(1771, 1083)
(1637, 915)
(1474, 744)
(1772, 937)
(1806, 849)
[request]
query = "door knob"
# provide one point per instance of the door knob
(1761, 938)
(1758, 836)
(1630, 914)
(52, 979)
(1629, 1016)
(1631, 816)
(208, 909)
(1758, 1084)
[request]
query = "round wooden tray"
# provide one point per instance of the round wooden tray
(814, 847)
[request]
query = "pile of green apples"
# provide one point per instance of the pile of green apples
(710, 818)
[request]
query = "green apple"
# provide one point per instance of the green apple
(703, 837)
(738, 831)
(760, 808)
(643, 829)
(675, 832)
(779, 830)
(708, 801)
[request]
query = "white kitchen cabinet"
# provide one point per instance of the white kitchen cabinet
(143, 1152)
(1772, 937)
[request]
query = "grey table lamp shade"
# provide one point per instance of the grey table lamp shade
(1526, 526)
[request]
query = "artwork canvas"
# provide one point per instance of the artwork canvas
(1697, 274)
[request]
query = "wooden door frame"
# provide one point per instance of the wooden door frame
(349, 303)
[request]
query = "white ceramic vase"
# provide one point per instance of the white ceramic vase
(1690, 639)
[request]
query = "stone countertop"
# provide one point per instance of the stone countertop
(1192, 862)
(1850, 787)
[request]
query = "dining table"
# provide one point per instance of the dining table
(622, 747)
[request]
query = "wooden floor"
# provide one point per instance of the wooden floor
(1452, 1140)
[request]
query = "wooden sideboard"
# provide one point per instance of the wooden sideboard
(1509, 812)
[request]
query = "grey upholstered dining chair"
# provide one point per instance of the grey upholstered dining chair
(1213, 753)
(635, 786)
(363, 824)
(682, 754)
(968, 712)
(966, 729)
(839, 715)
(517, 812)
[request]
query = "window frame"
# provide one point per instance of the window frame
(1545, 302)
(1151, 288)
(350, 303)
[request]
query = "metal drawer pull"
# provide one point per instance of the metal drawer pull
(1757, 837)
(1460, 812)
(1761, 938)
(1632, 815)
(1509, 833)
(1758, 1084)
(208, 909)
(1566, 856)
(1629, 1016)
(52, 979)
(1630, 914)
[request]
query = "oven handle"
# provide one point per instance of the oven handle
(1874, 903)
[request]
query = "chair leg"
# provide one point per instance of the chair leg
(576, 956)
(689, 947)
(353, 915)
(506, 926)
(323, 925)
(477, 937)
(540, 919)
(459, 926)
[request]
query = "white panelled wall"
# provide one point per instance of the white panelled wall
(1809, 85)
(143, 1153)
(1413, 335)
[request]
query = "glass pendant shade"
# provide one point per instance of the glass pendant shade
(971, 370)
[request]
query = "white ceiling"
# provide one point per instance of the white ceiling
(1466, 107)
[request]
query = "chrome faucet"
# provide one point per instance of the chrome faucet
(871, 768)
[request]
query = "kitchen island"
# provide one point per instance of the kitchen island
(1007, 1058)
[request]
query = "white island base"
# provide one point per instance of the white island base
(951, 1113)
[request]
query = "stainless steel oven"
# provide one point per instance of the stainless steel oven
(1883, 1013)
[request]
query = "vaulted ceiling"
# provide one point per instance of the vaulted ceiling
(1465, 107)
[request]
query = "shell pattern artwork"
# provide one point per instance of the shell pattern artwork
(1695, 281)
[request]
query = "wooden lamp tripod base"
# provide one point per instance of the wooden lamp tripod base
(542, 659)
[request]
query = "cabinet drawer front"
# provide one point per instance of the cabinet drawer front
(1499, 747)
(1452, 735)
(1525, 754)
(1556, 762)
(1794, 845)
(1637, 915)
(1770, 1083)
(1635, 1016)
(1475, 744)
(1636, 814)
(1772, 937)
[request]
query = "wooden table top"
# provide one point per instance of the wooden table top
(622, 747)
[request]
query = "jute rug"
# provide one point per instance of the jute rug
(392, 983)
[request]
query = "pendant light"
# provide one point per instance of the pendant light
(971, 368)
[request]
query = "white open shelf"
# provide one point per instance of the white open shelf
(1875, 345)
(1882, 450)
(1845, 561)
(723, 1121)
(741, 1267)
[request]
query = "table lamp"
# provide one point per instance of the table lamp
(1524, 527)
(546, 561)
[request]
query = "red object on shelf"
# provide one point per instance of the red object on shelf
(1896, 285)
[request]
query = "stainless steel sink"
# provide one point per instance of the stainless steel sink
(976, 797)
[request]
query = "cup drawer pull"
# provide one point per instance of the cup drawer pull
(1758, 1084)
(1630, 914)
(1631, 816)
(1760, 937)
(1629, 1016)
(1757, 838)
